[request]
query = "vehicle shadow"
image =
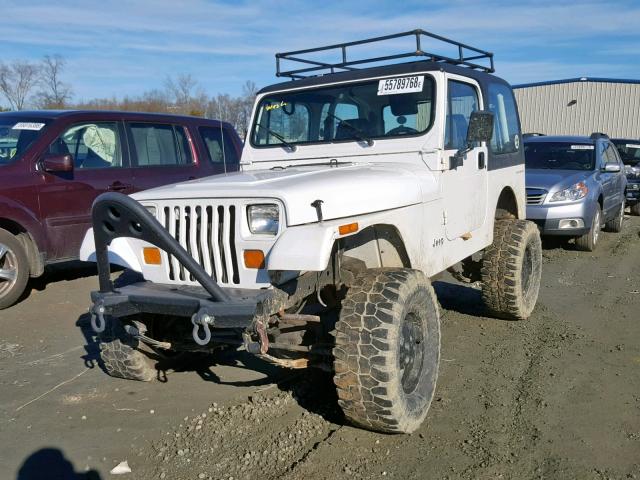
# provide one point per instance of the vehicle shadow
(553, 243)
(50, 463)
(62, 272)
(460, 298)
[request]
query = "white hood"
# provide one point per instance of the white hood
(346, 190)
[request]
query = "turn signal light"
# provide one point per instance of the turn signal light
(254, 259)
(152, 256)
(348, 228)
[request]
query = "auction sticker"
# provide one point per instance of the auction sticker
(581, 147)
(28, 126)
(394, 86)
(632, 145)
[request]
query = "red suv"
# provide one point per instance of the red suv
(54, 164)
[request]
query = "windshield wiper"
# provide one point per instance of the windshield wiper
(358, 134)
(290, 146)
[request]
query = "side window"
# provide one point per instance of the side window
(219, 152)
(160, 145)
(92, 145)
(610, 155)
(506, 137)
(462, 99)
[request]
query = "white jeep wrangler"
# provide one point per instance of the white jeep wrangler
(357, 186)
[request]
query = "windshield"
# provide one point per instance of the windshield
(16, 135)
(374, 109)
(629, 151)
(559, 155)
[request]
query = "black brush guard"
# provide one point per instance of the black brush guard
(115, 215)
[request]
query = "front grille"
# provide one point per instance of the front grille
(535, 196)
(207, 232)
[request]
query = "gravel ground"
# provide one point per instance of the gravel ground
(557, 396)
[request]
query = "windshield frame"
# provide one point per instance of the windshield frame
(568, 144)
(13, 120)
(434, 105)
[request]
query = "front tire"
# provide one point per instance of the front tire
(14, 269)
(615, 224)
(511, 269)
(122, 355)
(635, 209)
(589, 240)
(387, 350)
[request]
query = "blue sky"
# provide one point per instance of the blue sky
(114, 48)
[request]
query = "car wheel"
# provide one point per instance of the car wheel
(512, 269)
(589, 240)
(615, 224)
(387, 350)
(635, 209)
(14, 269)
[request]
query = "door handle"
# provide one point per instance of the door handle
(118, 187)
(481, 161)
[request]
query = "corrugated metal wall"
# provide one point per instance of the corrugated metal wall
(612, 108)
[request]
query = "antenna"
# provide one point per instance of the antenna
(224, 156)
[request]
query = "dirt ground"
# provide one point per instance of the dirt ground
(555, 397)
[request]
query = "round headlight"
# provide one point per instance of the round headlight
(263, 219)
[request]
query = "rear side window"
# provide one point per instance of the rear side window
(506, 135)
(218, 151)
(92, 145)
(160, 145)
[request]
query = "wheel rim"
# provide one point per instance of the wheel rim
(411, 354)
(8, 269)
(595, 234)
(527, 269)
(622, 213)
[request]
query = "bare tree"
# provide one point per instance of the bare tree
(54, 93)
(17, 80)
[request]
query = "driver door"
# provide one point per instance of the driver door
(464, 184)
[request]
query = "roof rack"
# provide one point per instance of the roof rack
(466, 57)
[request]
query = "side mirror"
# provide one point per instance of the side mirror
(611, 167)
(480, 127)
(480, 130)
(57, 163)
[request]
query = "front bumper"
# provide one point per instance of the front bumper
(558, 219)
(240, 311)
(633, 192)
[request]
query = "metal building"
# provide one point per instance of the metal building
(581, 106)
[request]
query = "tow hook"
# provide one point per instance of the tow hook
(202, 318)
(98, 323)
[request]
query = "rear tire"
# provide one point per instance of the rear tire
(635, 209)
(122, 356)
(387, 350)
(589, 240)
(615, 224)
(511, 269)
(14, 269)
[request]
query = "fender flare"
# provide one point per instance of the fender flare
(304, 248)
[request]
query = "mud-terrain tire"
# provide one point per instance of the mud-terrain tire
(615, 224)
(589, 240)
(387, 350)
(14, 269)
(635, 209)
(122, 355)
(511, 269)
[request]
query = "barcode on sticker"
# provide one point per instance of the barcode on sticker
(28, 126)
(394, 86)
(581, 147)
